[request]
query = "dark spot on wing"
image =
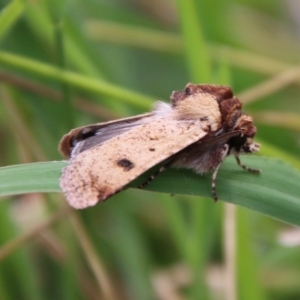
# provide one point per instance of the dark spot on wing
(125, 164)
(151, 149)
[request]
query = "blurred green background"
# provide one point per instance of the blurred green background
(65, 64)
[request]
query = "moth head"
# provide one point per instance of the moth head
(245, 124)
(244, 143)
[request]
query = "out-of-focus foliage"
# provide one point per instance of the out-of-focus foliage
(70, 63)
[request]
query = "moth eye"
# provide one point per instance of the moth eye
(188, 91)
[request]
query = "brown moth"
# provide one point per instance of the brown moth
(200, 127)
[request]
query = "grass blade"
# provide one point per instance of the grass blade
(275, 192)
(30, 178)
(9, 16)
(76, 80)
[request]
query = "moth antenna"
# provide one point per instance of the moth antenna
(245, 167)
(152, 177)
(213, 183)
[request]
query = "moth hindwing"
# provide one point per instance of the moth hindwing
(200, 127)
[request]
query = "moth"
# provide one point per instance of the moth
(201, 126)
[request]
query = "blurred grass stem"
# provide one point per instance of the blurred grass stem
(62, 64)
(93, 259)
(19, 128)
(230, 251)
(271, 85)
(76, 80)
(32, 233)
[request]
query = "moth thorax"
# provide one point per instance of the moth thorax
(200, 106)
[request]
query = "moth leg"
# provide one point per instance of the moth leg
(244, 166)
(213, 183)
(220, 153)
(152, 177)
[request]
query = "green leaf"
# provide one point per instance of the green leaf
(30, 178)
(9, 15)
(194, 43)
(275, 192)
(55, 9)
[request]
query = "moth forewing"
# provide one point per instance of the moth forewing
(103, 170)
(99, 133)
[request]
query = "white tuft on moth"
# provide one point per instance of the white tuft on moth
(201, 126)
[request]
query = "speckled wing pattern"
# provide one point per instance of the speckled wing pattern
(103, 170)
